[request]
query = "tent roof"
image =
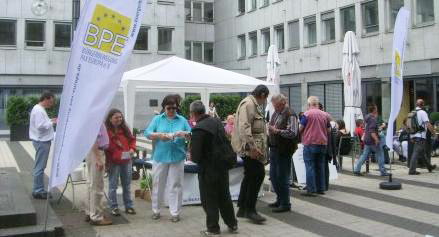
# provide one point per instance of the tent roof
(178, 73)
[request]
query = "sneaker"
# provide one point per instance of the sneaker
(233, 229)
(42, 195)
(321, 193)
(155, 216)
(358, 174)
(175, 219)
(385, 174)
(130, 211)
(414, 173)
(255, 217)
(281, 209)
(115, 212)
(433, 167)
(209, 233)
(309, 194)
(87, 218)
(104, 221)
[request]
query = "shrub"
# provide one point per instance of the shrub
(225, 104)
(18, 109)
(434, 117)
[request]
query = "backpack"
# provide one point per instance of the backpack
(222, 151)
(412, 123)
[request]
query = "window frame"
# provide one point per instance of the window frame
(264, 3)
(241, 11)
(148, 38)
(307, 22)
(44, 34)
(253, 35)
(172, 29)
(54, 35)
(290, 48)
(414, 16)
(264, 50)
(276, 39)
(324, 20)
(388, 16)
(241, 41)
(364, 28)
(204, 52)
(205, 19)
(342, 23)
(252, 7)
(14, 21)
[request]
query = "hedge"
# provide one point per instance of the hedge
(225, 104)
(18, 109)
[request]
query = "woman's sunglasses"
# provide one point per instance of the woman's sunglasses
(171, 108)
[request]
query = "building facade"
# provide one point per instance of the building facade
(235, 35)
(309, 35)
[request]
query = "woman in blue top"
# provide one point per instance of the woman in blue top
(169, 132)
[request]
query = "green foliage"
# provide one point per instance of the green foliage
(18, 109)
(146, 182)
(434, 117)
(225, 104)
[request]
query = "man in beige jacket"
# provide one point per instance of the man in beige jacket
(249, 140)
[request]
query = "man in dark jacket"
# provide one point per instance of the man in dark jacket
(213, 175)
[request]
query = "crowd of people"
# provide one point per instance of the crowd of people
(256, 137)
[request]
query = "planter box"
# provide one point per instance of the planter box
(19, 133)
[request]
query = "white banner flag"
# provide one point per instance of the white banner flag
(104, 39)
(399, 42)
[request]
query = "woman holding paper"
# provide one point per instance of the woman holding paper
(120, 150)
(169, 131)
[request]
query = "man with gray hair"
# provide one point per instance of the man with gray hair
(213, 174)
(283, 131)
(314, 126)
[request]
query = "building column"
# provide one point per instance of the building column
(385, 98)
(304, 93)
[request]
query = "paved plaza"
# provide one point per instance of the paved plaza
(354, 206)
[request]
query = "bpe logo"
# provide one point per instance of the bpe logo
(108, 30)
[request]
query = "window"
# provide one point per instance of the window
(293, 35)
(165, 2)
(8, 32)
(153, 103)
(265, 35)
(241, 46)
(208, 12)
(329, 96)
(196, 14)
(264, 3)
(241, 7)
(63, 35)
(424, 10)
(187, 10)
(198, 51)
(279, 33)
(370, 17)
(165, 39)
(347, 20)
(142, 39)
(253, 5)
(393, 7)
(208, 52)
(310, 31)
(34, 35)
(328, 27)
(188, 50)
(253, 38)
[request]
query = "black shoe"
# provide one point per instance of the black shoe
(39, 195)
(321, 193)
(115, 212)
(433, 167)
(274, 204)
(209, 233)
(241, 213)
(414, 173)
(309, 194)
(255, 217)
(293, 185)
(385, 174)
(281, 209)
(233, 229)
(358, 174)
(87, 218)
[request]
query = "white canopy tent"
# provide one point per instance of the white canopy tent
(176, 75)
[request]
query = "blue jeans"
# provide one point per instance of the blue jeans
(315, 158)
(379, 154)
(280, 169)
(124, 171)
(42, 154)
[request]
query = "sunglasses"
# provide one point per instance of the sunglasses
(171, 108)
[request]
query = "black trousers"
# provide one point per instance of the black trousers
(254, 174)
(215, 199)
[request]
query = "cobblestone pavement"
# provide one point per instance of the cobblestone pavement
(354, 206)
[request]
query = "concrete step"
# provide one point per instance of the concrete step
(16, 208)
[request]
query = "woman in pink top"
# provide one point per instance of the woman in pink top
(230, 125)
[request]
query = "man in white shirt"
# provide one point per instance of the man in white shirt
(41, 133)
(419, 140)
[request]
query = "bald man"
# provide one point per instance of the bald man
(419, 139)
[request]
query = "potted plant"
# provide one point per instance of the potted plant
(17, 117)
